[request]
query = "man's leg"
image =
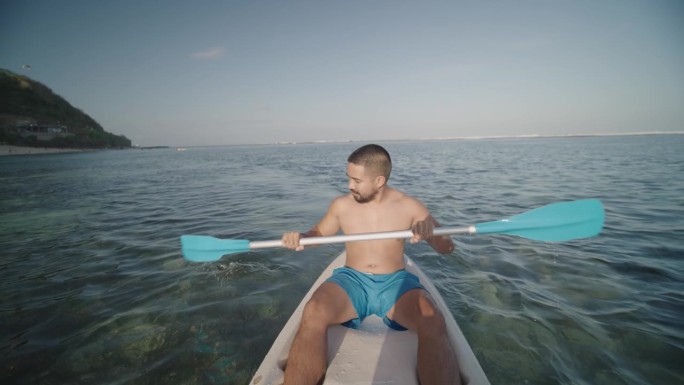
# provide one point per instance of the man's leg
(436, 358)
(307, 361)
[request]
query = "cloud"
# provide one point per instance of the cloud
(210, 54)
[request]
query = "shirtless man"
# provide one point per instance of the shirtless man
(373, 206)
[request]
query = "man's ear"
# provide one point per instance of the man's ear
(380, 181)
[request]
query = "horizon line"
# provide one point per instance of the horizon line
(454, 138)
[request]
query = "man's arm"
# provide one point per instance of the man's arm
(328, 225)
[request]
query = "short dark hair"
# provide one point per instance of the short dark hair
(374, 158)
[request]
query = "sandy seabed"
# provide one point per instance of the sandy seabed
(18, 150)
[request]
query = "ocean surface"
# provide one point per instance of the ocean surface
(94, 289)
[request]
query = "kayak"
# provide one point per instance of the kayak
(374, 353)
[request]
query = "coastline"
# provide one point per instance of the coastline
(20, 150)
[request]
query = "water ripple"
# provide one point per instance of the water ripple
(95, 289)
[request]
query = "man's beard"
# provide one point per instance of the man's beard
(363, 199)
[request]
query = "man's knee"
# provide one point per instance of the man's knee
(315, 312)
(323, 309)
(430, 318)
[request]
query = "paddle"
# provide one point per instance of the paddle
(556, 222)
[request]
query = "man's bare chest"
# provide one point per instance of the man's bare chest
(379, 219)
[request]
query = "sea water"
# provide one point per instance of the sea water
(95, 291)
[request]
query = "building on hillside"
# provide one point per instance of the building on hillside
(43, 132)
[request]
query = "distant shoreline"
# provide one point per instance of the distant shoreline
(20, 150)
(465, 138)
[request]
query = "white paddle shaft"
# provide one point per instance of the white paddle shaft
(362, 237)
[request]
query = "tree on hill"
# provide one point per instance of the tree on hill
(31, 114)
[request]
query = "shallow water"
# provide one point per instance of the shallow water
(95, 291)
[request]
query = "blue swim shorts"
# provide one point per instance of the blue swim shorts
(374, 293)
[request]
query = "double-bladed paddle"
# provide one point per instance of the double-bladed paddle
(556, 222)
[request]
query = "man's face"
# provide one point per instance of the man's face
(362, 185)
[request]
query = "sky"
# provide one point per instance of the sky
(193, 73)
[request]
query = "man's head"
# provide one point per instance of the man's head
(368, 169)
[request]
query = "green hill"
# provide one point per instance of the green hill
(32, 115)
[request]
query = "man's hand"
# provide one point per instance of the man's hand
(291, 241)
(422, 230)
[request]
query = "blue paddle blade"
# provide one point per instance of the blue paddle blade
(202, 248)
(552, 223)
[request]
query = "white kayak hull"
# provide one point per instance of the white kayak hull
(372, 354)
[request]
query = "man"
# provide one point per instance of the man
(372, 206)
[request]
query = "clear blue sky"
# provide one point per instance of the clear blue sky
(233, 72)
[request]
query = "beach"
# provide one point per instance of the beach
(18, 150)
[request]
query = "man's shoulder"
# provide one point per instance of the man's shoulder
(341, 201)
(409, 204)
(402, 197)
